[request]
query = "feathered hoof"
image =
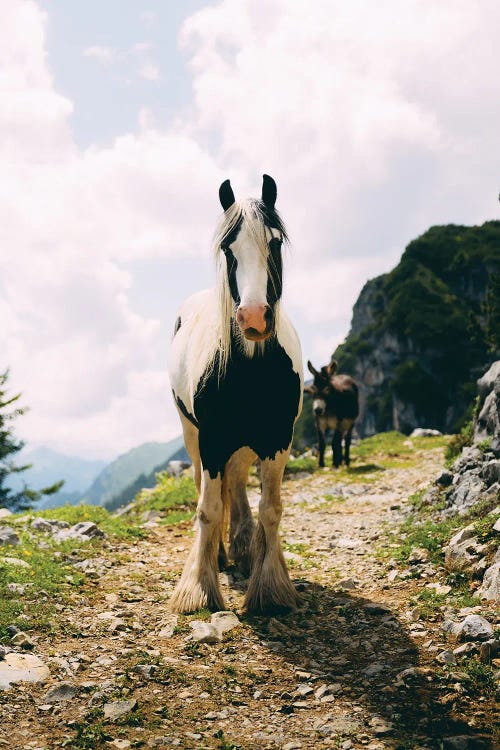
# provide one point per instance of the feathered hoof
(191, 598)
(272, 599)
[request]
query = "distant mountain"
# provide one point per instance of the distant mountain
(128, 469)
(48, 467)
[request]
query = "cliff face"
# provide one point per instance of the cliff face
(421, 334)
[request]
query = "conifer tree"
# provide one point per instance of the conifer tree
(9, 447)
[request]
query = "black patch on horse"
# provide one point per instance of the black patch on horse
(253, 404)
(177, 325)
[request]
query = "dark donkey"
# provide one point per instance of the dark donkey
(335, 407)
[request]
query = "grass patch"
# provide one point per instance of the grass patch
(296, 465)
(172, 494)
(119, 527)
(481, 678)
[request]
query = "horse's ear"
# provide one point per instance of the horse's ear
(226, 195)
(269, 191)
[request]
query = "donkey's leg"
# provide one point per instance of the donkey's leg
(321, 446)
(199, 583)
(337, 447)
(347, 443)
(270, 586)
(242, 524)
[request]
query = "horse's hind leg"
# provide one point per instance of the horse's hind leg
(242, 524)
(270, 586)
(199, 583)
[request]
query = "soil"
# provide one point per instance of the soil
(328, 675)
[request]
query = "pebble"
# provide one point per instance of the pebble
(117, 709)
(64, 691)
(22, 640)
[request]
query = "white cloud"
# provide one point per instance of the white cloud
(149, 71)
(104, 55)
(375, 121)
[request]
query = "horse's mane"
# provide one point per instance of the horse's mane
(256, 216)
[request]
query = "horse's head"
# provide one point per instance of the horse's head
(250, 236)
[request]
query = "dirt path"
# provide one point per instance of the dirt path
(326, 676)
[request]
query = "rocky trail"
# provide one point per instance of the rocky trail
(359, 665)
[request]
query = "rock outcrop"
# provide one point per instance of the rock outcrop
(475, 483)
(422, 333)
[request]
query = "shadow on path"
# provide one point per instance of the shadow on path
(364, 647)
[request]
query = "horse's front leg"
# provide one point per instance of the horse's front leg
(270, 587)
(199, 583)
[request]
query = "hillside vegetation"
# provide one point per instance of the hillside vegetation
(421, 334)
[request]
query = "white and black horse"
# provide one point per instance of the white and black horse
(236, 374)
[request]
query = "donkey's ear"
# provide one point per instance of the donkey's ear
(226, 195)
(269, 191)
(311, 368)
(309, 389)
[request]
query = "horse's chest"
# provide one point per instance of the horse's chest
(255, 404)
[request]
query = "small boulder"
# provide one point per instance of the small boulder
(8, 537)
(5, 513)
(224, 621)
(22, 640)
(64, 691)
(444, 479)
(40, 524)
(83, 530)
(21, 668)
(490, 589)
(475, 628)
(204, 632)
(425, 432)
(117, 709)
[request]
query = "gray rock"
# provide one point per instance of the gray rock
(5, 513)
(8, 537)
(466, 493)
(3, 651)
(446, 657)
(16, 588)
(83, 530)
(175, 468)
(425, 432)
(117, 709)
(64, 691)
(490, 589)
(22, 640)
(21, 668)
(224, 621)
(489, 650)
(475, 628)
(40, 524)
(444, 479)
(488, 421)
(461, 742)
(14, 561)
(204, 632)
(463, 550)
(490, 472)
(145, 670)
(419, 555)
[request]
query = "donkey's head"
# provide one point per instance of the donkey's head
(250, 235)
(321, 388)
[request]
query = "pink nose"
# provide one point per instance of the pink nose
(253, 319)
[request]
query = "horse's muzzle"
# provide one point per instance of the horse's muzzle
(256, 322)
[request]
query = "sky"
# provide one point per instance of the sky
(120, 119)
